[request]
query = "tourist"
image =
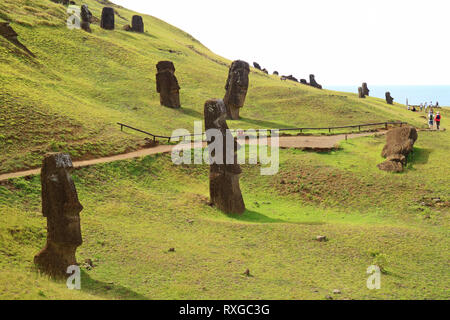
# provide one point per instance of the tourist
(425, 106)
(430, 119)
(421, 107)
(438, 120)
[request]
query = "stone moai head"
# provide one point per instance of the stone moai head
(62, 209)
(361, 92)
(86, 17)
(107, 21)
(224, 186)
(167, 84)
(236, 88)
(365, 89)
(389, 99)
(137, 24)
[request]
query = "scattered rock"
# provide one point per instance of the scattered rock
(236, 88)
(126, 27)
(62, 209)
(247, 272)
(328, 297)
(172, 250)
(167, 85)
(322, 238)
(336, 291)
(224, 188)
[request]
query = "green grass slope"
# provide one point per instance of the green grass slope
(79, 85)
(136, 210)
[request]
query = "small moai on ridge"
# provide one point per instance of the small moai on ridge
(224, 189)
(62, 209)
(137, 24)
(256, 65)
(108, 20)
(365, 89)
(389, 99)
(236, 88)
(86, 17)
(313, 82)
(167, 84)
(275, 73)
(361, 92)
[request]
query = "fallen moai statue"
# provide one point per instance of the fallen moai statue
(399, 143)
(224, 187)
(62, 209)
(167, 84)
(236, 88)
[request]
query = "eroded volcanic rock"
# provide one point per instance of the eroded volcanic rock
(224, 189)
(62, 209)
(399, 143)
(236, 88)
(167, 84)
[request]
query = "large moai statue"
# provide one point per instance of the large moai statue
(313, 82)
(224, 187)
(137, 24)
(167, 85)
(107, 21)
(86, 17)
(236, 88)
(361, 92)
(389, 99)
(62, 209)
(365, 89)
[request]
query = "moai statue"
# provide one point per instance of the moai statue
(313, 82)
(86, 17)
(256, 65)
(137, 24)
(361, 92)
(389, 99)
(167, 85)
(62, 209)
(365, 89)
(275, 73)
(224, 187)
(237, 86)
(303, 81)
(107, 21)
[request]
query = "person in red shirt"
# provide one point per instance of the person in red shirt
(437, 119)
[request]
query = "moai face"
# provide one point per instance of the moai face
(237, 83)
(137, 24)
(60, 200)
(108, 19)
(167, 84)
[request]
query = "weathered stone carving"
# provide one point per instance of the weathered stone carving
(107, 21)
(167, 85)
(313, 82)
(224, 187)
(361, 92)
(365, 89)
(137, 24)
(62, 209)
(389, 99)
(256, 65)
(399, 143)
(265, 71)
(86, 17)
(236, 88)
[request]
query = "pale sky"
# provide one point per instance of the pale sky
(342, 42)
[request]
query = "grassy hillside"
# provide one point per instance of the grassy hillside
(79, 85)
(136, 210)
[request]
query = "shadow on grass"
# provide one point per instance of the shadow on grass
(107, 290)
(257, 217)
(418, 156)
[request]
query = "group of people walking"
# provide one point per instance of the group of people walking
(431, 117)
(434, 119)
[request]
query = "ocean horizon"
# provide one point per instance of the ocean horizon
(415, 94)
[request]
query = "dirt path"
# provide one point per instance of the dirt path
(298, 142)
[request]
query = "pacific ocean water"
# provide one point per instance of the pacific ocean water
(415, 94)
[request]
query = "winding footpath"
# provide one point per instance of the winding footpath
(317, 143)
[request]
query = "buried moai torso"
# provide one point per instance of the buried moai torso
(236, 88)
(107, 21)
(361, 92)
(137, 24)
(86, 17)
(62, 209)
(224, 186)
(167, 84)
